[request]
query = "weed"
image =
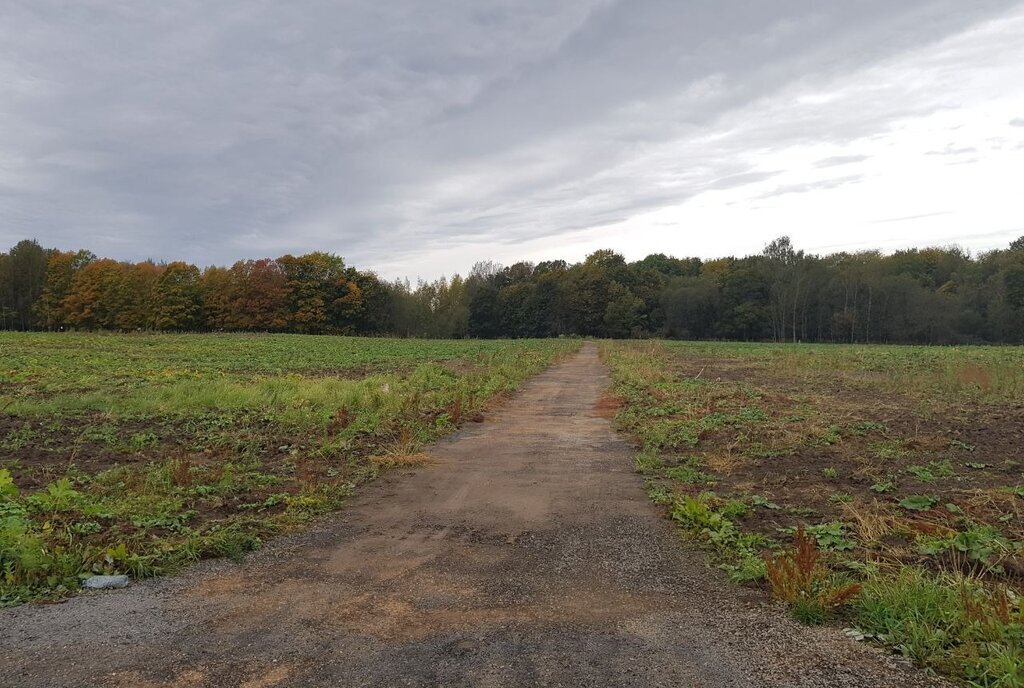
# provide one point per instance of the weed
(888, 450)
(832, 435)
(688, 474)
(934, 470)
(866, 427)
(828, 536)
(760, 500)
(7, 486)
(918, 502)
(798, 578)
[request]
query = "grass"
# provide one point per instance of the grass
(900, 465)
(142, 453)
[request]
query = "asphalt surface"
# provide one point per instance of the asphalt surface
(526, 554)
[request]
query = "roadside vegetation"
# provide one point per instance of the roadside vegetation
(139, 454)
(881, 487)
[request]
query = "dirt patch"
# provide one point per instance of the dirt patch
(842, 448)
(608, 405)
(36, 450)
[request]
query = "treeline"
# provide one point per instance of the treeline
(933, 295)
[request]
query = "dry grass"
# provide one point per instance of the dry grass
(399, 460)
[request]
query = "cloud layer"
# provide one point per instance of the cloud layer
(416, 138)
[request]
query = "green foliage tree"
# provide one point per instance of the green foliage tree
(22, 280)
(178, 298)
(624, 314)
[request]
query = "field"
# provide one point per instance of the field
(903, 463)
(141, 453)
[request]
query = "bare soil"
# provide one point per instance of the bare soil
(956, 432)
(524, 553)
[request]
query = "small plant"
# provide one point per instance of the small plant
(734, 508)
(7, 486)
(762, 501)
(688, 475)
(830, 473)
(748, 569)
(882, 488)
(918, 502)
(889, 449)
(141, 440)
(830, 536)
(840, 498)
(180, 472)
(867, 426)
(982, 544)
(832, 435)
(934, 470)
(60, 495)
(799, 578)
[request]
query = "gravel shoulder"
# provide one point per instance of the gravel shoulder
(525, 553)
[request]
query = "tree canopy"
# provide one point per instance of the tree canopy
(928, 295)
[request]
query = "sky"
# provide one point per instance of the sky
(417, 138)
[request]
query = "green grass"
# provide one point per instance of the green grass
(141, 453)
(903, 463)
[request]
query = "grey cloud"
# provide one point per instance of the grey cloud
(737, 180)
(953, 150)
(837, 160)
(813, 186)
(215, 131)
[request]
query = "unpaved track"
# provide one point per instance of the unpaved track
(527, 554)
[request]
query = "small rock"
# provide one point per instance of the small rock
(105, 582)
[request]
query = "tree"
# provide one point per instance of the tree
(135, 295)
(22, 280)
(216, 288)
(691, 307)
(257, 297)
(96, 295)
(482, 294)
(315, 283)
(624, 315)
(61, 268)
(928, 295)
(178, 298)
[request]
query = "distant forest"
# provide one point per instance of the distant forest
(932, 295)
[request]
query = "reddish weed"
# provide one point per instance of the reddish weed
(799, 578)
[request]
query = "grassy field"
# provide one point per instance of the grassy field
(878, 485)
(141, 453)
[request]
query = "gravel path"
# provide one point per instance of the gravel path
(526, 554)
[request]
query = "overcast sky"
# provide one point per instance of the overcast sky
(415, 138)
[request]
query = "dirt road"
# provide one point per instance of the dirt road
(526, 554)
